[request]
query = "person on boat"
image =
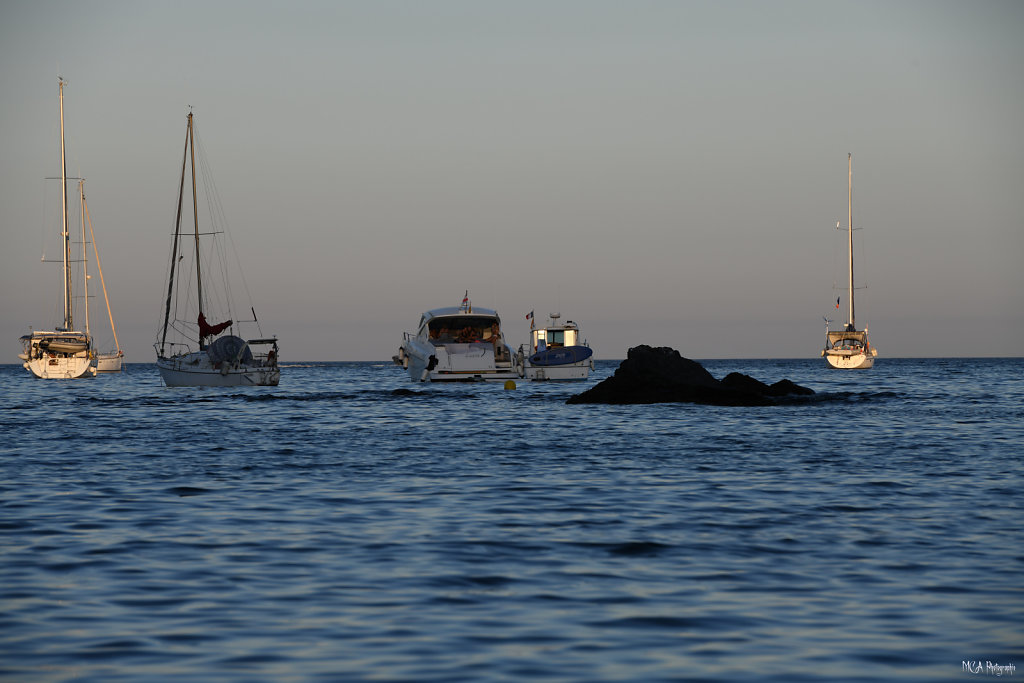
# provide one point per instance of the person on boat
(493, 335)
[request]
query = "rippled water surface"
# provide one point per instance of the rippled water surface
(350, 525)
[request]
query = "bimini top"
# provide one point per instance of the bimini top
(458, 311)
(835, 336)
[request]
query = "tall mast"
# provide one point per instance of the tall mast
(99, 266)
(195, 216)
(177, 232)
(85, 255)
(853, 324)
(66, 255)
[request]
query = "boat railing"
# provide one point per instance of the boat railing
(169, 349)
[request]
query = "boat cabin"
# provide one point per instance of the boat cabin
(554, 336)
(843, 340)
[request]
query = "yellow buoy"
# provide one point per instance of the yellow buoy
(510, 384)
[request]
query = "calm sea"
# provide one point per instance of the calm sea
(350, 525)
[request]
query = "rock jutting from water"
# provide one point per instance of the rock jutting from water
(662, 375)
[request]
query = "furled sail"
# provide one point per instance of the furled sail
(208, 330)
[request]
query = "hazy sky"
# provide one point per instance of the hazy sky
(667, 173)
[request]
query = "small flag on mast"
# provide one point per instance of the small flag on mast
(837, 302)
(529, 316)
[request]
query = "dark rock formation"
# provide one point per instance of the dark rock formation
(661, 375)
(741, 382)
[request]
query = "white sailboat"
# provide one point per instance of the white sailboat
(64, 353)
(191, 351)
(849, 348)
(106, 361)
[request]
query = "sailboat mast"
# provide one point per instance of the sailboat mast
(85, 255)
(177, 232)
(66, 251)
(99, 266)
(853, 324)
(195, 216)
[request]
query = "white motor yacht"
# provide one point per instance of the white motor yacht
(458, 344)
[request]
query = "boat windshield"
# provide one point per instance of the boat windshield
(462, 329)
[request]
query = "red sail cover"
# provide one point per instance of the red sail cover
(208, 330)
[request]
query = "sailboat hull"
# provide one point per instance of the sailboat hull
(60, 368)
(196, 370)
(109, 362)
(58, 355)
(854, 361)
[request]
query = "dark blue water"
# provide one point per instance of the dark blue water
(349, 525)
